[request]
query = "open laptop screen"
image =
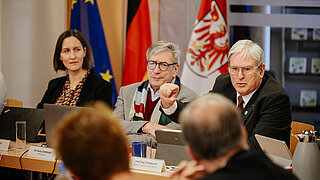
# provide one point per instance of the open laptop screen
(171, 146)
(276, 150)
(9, 116)
(53, 114)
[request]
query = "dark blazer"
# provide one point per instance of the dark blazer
(268, 111)
(248, 165)
(94, 88)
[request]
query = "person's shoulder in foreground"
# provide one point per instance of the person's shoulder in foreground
(92, 144)
(250, 165)
(217, 142)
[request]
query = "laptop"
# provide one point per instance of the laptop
(276, 150)
(53, 114)
(33, 117)
(171, 147)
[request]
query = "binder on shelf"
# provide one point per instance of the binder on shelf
(316, 34)
(299, 33)
(308, 98)
(298, 65)
(315, 65)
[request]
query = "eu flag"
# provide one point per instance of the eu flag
(85, 17)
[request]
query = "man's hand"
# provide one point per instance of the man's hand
(168, 94)
(189, 170)
(151, 127)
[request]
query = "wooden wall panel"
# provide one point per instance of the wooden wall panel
(111, 13)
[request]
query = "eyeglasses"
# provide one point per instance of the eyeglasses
(162, 65)
(244, 70)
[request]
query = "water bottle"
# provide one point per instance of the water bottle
(63, 173)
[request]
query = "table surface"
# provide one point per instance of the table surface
(11, 159)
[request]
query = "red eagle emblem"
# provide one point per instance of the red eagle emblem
(208, 46)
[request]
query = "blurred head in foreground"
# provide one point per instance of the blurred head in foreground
(212, 127)
(92, 144)
(217, 142)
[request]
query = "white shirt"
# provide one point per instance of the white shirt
(3, 92)
(245, 98)
(154, 96)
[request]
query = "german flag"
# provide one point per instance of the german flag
(138, 40)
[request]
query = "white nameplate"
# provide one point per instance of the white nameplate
(42, 153)
(4, 144)
(154, 165)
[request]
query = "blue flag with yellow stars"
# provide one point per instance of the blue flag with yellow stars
(85, 17)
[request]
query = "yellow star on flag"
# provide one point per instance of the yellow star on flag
(106, 76)
(89, 1)
(73, 2)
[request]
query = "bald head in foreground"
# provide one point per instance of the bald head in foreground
(217, 142)
(93, 145)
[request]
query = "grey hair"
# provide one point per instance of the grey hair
(211, 126)
(162, 46)
(247, 47)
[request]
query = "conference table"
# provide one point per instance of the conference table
(18, 159)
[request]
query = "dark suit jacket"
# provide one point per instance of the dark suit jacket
(248, 165)
(94, 88)
(268, 112)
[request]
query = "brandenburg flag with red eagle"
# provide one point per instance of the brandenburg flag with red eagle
(207, 52)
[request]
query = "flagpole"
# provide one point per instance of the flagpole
(68, 13)
(125, 12)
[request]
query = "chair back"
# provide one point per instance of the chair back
(297, 127)
(14, 103)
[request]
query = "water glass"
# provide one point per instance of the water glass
(21, 134)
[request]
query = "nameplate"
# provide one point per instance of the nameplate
(42, 153)
(4, 144)
(153, 165)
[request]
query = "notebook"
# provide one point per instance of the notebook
(33, 117)
(171, 147)
(53, 114)
(276, 150)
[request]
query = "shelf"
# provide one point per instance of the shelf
(297, 108)
(294, 41)
(302, 46)
(301, 74)
(306, 48)
(303, 78)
